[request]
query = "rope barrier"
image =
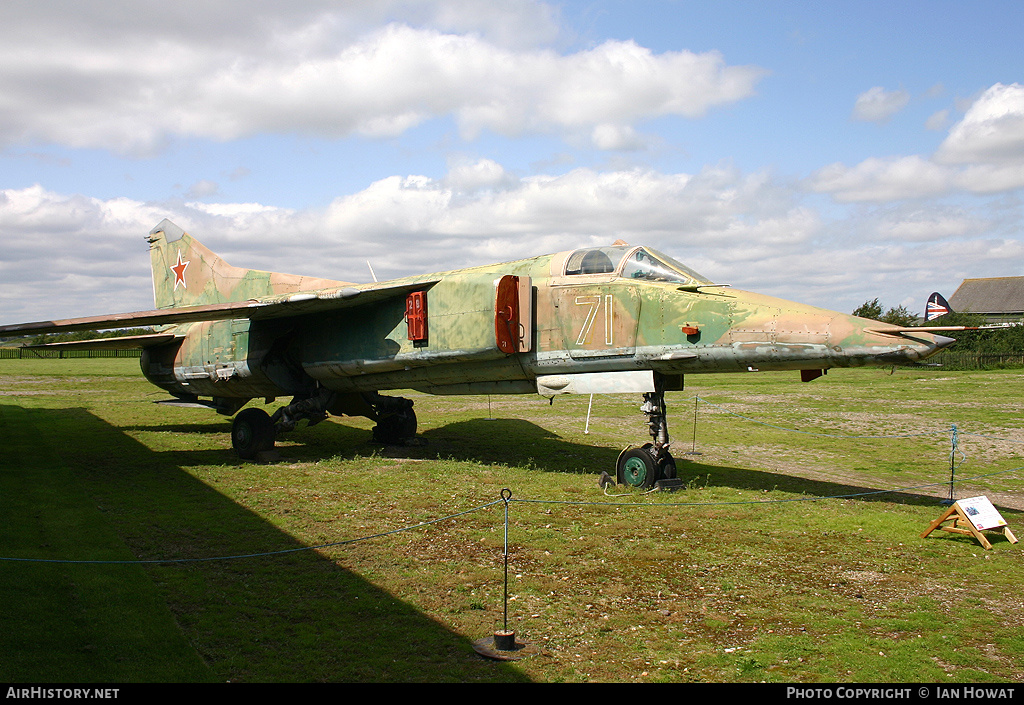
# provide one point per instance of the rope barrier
(506, 499)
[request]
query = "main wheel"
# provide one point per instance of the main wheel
(637, 468)
(252, 432)
(396, 428)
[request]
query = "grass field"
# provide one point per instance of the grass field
(780, 561)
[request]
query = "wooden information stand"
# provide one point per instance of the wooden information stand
(971, 517)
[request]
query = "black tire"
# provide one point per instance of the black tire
(637, 468)
(252, 432)
(668, 467)
(396, 428)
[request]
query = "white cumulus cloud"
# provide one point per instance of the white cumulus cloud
(748, 230)
(983, 154)
(883, 179)
(992, 130)
(404, 225)
(878, 105)
(99, 78)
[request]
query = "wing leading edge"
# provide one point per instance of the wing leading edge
(297, 304)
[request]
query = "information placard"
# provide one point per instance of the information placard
(981, 513)
(970, 517)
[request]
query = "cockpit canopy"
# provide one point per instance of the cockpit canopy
(631, 263)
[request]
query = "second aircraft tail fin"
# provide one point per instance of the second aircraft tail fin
(936, 307)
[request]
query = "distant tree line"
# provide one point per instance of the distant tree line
(898, 316)
(1008, 340)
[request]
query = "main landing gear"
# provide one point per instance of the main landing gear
(651, 463)
(254, 431)
(396, 421)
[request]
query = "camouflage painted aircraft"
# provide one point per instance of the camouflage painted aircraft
(594, 320)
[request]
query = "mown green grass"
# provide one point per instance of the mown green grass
(775, 563)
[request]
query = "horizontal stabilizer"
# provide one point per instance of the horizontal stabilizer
(124, 342)
(210, 312)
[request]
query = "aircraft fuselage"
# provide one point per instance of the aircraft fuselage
(570, 322)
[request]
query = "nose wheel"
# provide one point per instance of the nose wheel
(638, 468)
(643, 467)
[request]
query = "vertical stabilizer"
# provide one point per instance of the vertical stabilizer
(186, 273)
(936, 307)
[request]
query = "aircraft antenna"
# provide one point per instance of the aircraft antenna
(371, 270)
(693, 450)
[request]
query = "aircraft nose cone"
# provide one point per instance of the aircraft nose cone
(924, 348)
(914, 348)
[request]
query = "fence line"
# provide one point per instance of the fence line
(52, 354)
(506, 498)
(953, 360)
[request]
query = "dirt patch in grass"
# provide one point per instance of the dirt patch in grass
(26, 393)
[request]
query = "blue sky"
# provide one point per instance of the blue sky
(824, 152)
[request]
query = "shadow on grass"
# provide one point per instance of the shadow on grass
(485, 441)
(741, 478)
(75, 487)
(523, 443)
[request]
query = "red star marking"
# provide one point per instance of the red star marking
(179, 271)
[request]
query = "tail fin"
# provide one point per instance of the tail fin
(186, 273)
(936, 307)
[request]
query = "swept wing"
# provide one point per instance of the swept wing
(298, 304)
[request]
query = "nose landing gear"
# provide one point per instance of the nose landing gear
(650, 465)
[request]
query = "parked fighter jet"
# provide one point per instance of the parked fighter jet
(600, 319)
